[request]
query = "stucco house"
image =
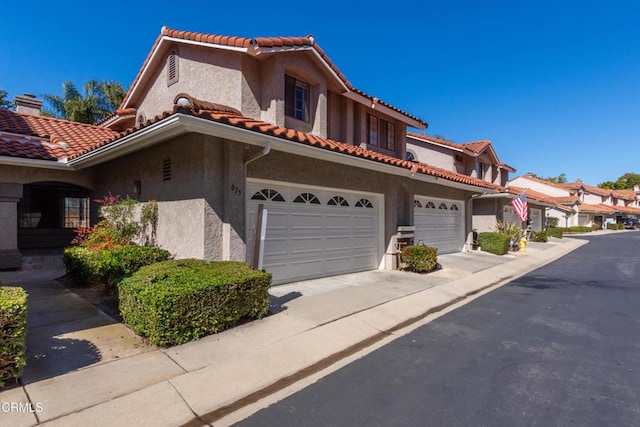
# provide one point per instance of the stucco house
(477, 159)
(214, 126)
(582, 204)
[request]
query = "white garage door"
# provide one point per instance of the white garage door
(315, 232)
(439, 223)
(536, 219)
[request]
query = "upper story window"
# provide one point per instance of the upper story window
(480, 170)
(381, 133)
(296, 98)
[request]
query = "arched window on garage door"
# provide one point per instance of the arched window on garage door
(364, 203)
(338, 201)
(269, 195)
(308, 198)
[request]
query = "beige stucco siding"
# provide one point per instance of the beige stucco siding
(211, 75)
(432, 155)
(191, 207)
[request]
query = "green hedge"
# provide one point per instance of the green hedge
(540, 236)
(495, 243)
(420, 259)
(177, 301)
(82, 265)
(118, 263)
(578, 229)
(555, 232)
(85, 266)
(13, 333)
(611, 226)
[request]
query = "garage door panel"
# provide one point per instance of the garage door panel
(276, 246)
(306, 221)
(305, 240)
(338, 264)
(439, 227)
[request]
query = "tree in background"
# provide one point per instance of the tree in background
(626, 181)
(4, 103)
(560, 179)
(100, 99)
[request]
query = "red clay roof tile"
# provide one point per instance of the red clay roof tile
(28, 136)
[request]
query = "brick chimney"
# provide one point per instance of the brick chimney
(27, 104)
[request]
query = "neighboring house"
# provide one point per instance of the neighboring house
(214, 126)
(488, 209)
(476, 159)
(582, 204)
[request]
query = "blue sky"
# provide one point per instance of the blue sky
(555, 85)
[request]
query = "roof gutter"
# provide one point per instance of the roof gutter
(60, 164)
(385, 110)
(179, 123)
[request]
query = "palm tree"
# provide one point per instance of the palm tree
(100, 99)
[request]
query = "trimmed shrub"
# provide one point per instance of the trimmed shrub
(555, 232)
(117, 263)
(495, 243)
(611, 226)
(13, 333)
(578, 229)
(108, 266)
(82, 265)
(177, 301)
(596, 227)
(540, 236)
(420, 259)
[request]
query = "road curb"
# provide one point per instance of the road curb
(459, 290)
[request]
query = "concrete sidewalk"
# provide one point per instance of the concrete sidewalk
(317, 323)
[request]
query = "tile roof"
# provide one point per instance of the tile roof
(81, 138)
(599, 208)
(259, 43)
(625, 194)
(440, 141)
(565, 200)
(531, 195)
(476, 146)
(542, 181)
(237, 120)
(45, 138)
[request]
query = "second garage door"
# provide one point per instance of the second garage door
(439, 223)
(314, 232)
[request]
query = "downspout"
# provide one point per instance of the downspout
(266, 150)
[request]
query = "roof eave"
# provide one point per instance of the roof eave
(179, 123)
(409, 121)
(59, 164)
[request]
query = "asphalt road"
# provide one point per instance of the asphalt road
(557, 347)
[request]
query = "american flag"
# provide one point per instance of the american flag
(520, 206)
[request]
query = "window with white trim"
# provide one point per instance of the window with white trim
(296, 98)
